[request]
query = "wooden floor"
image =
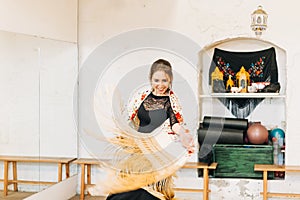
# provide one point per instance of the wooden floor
(88, 198)
(15, 195)
(179, 196)
(21, 195)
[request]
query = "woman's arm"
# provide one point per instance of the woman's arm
(185, 136)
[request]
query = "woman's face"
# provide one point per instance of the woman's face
(160, 82)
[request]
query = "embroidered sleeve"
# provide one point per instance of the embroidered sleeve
(173, 119)
(175, 105)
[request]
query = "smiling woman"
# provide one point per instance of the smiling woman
(160, 105)
(109, 80)
(155, 111)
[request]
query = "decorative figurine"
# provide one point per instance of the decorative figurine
(217, 82)
(229, 84)
(243, 79)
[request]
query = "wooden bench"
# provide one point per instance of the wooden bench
(86, 164)
(275, 168)
(205, 167)
(31, 159)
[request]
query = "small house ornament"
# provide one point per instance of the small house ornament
(217, 82)
(243, 79)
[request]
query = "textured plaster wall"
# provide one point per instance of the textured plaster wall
(31, 30)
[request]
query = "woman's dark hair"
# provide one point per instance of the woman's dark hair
(161, 65)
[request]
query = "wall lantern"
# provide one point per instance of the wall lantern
(259, 21)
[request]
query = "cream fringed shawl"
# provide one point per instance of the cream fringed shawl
(140, 160)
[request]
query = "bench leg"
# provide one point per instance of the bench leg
(59, 172)
(205, 184)
(89, 179)
(265, 182)
(82, 186)
(15, 175)
(5, 184)
(67, 166)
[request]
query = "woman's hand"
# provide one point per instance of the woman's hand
(185, 136)
(187, 140)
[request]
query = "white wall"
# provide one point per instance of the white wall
(39, 70)
(38, 79)
(51, 27)
(48, 19)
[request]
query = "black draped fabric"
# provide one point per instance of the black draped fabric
(139, 194)
(261, 66)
